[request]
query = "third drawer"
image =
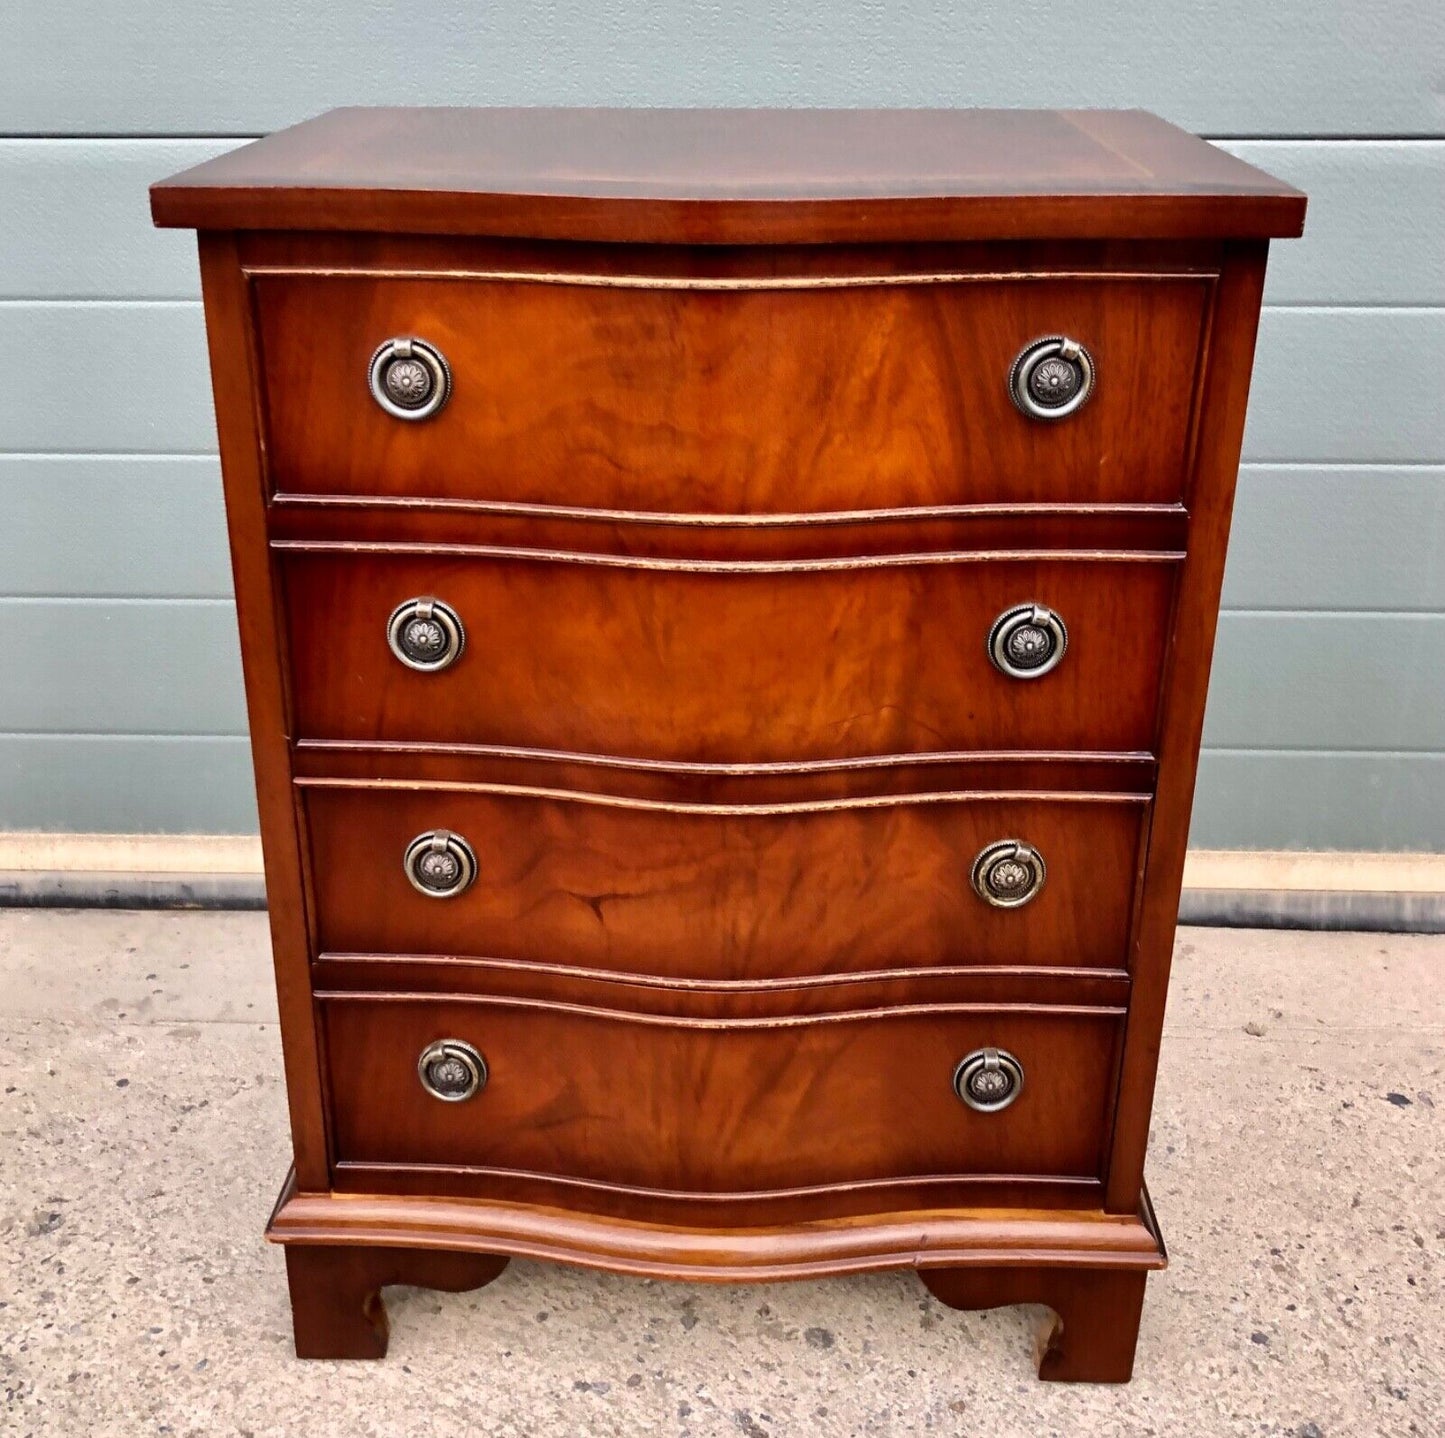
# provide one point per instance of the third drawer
(739, 892)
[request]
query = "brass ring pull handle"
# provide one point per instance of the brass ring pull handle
(440, 864)
(1008, 874)
(409, 378)
(1051, 378)
(1027, 641)
(452, 1070)
(426, 634)
(988, 1079)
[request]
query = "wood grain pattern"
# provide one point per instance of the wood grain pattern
(979, 771)
(724, 1214)
(747, 892)
(722, 998)
(1234, 326)
(819, 534)
(728, 513)
(257, 612)
(965, 1235)
(696, 395)
(734, 176)
(615, 1098)
(732, 662)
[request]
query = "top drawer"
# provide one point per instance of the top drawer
(731, 396)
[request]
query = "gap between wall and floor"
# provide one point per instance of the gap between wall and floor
(1238, 888)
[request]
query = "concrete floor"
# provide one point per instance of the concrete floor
(1298, 1169)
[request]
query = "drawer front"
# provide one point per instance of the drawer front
(710, 1108)
(733, 664)
(680, 398)
(726, 892)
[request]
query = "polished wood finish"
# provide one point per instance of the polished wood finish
(318, 763)
(958, 1236)
(725, 891)
(611, 1097)
(402, 520)
(258, 615)
(1222, 433)
(336, 1305)
(1095, 1326)
(729, 661)
(728, 510)
(985, 986)
(735, 177)
(658, 394)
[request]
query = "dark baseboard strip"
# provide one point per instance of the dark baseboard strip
(1325, 910)
(64, 889)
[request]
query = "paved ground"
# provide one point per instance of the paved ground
(1298, 1169)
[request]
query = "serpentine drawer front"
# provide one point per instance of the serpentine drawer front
(726, 602)
(576, 1093)
(759, 661)
(733, 891)
(630, 391)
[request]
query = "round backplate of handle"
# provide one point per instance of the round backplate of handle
(452, 1070)
(440, 864)
(426, 634)
(409, 378)
(1008, 873)
(1027, 641)
(988, 1079)
(1052, 378)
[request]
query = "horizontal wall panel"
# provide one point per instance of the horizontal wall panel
(100, 525)
(1375, 231)
(1349, 682)
(1327, 681)
(76, 220)
(107, 377)
(1325, 719)
(1233, 67)
(122, 784)
(112, 666)
(133, 377)
(1338, 538)
(117, 783)
(1326, 538)
(79, 220)
(1359, 802)
(1360, 385)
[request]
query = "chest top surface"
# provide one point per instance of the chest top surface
(736, 177)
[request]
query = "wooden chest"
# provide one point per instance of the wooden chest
(726, 602)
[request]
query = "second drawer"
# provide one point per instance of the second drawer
(729, 662)
(734, 892)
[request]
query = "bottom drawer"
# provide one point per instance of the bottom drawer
(685, 1105)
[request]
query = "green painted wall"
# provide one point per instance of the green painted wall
(122, 705)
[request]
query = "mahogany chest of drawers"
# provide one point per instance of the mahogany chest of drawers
(726, 603)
